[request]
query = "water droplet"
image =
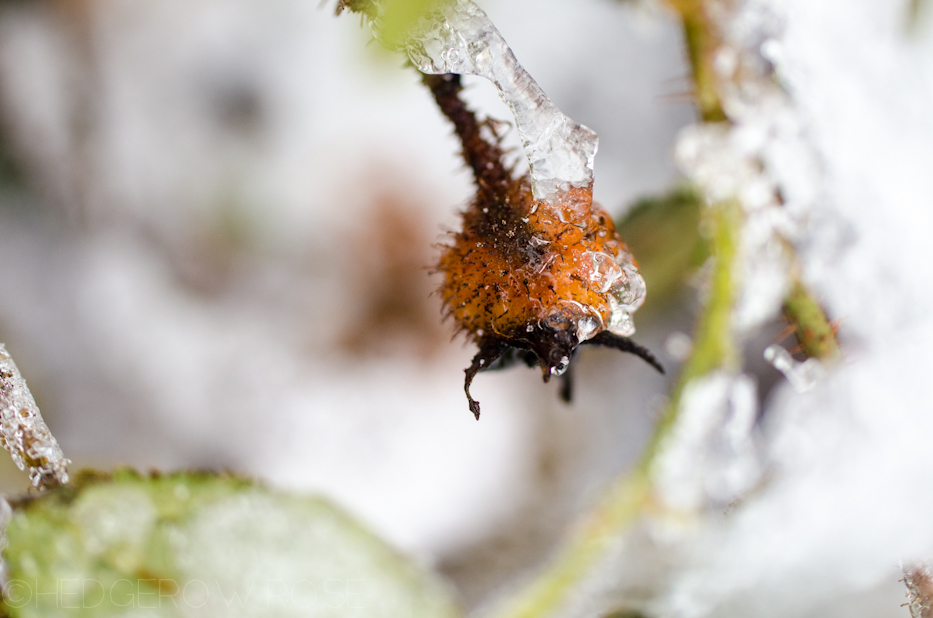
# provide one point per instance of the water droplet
(558, 320)
(452, 56)
(587, 327)
(561, 367)
(801, 376)
(603, 270)
(629, 291)
(620, 319)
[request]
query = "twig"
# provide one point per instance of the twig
(24, 434)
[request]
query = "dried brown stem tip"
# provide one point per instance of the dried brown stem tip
(919, 581)
(529, 280)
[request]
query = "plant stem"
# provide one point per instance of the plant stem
(815, 333)
(632, 496)
(702, 40)
(714, 348)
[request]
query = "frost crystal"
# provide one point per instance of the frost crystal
(711, 457)
(761, 159)
(23, 432)
(458, 37)
(802, 376)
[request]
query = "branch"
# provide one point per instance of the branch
(24, 434)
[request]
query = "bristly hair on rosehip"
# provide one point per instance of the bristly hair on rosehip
(529, 280)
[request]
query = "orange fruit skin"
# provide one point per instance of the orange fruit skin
(507, 281)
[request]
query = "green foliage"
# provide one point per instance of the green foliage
(200, 544)
(815, 333)
(663, 234)
(395, 17)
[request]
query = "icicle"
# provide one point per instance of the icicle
(458, 37)
(23, 433)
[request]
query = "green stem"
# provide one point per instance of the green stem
(815, 333)
(632, 496)
(701, 41)
(714, 346)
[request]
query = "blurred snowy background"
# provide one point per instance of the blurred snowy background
(215, 222)
(215, 229)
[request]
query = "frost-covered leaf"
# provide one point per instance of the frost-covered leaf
(198, 544)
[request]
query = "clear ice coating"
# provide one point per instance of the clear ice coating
(626, 289)
(458, 37)
(23, 433)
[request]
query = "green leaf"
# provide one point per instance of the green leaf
(664, 236)
(200, 544)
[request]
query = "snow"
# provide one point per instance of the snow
(833, 482)
(841, 133)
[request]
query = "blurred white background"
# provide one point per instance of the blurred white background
(217, 220)
(216, 226)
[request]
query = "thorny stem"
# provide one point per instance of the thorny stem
(915, 10)
(483, 156)
(24, 434)
(702, 40)
(632, 495)
(714, 348)
(815, 333)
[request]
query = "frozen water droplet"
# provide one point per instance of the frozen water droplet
(561, 367)
(529, 328)
(620, 319)
(629, 291)
(458, 37)
(801, 376)
(587, 327)
(452, 56)
(603, 270)
(558, 320)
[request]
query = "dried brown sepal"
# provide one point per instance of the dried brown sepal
(366, 7)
